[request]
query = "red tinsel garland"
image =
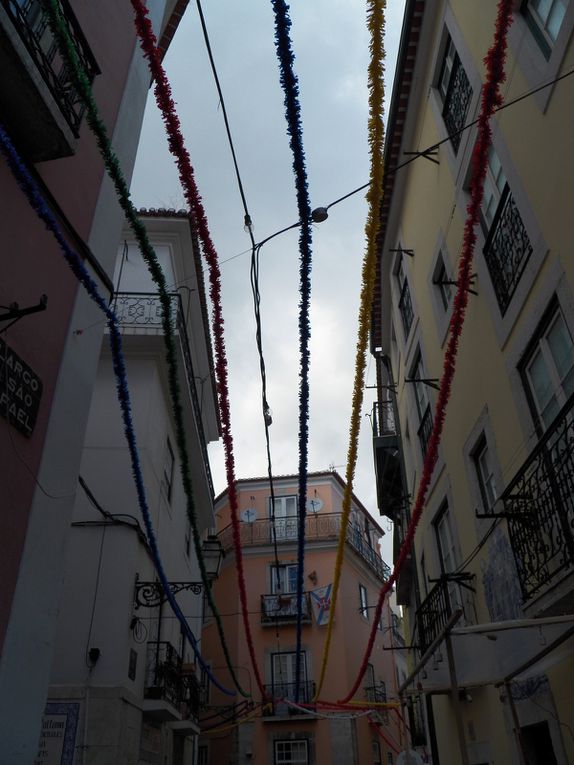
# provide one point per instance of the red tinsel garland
(490, 100)
(177, 147)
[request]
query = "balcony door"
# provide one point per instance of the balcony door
(283, 668)
(285, 516)
(448, 555)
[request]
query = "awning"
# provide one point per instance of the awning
(493, 653)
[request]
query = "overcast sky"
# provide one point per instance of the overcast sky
(330, 42)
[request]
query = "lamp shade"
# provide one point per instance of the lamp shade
(212, 556)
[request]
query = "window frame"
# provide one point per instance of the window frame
(444, 516)
(286, 567)
(363, 601)
(538, 26)
(290, 742)
(550, 317)
(483, 481)
(417, 372)
(404, 301)
(168, 470)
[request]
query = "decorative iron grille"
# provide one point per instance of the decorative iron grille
(281, 692)
(283, 608)
(163, 673)
(30, 19)
(383, 419)
(143, 312)
(447, 596)
(406, 308)
(507, 249)
(539, 502)
(456, 103)
(376, 693)
(425, 429)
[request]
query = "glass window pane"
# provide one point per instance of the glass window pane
(561, 347)
(555, 19)
(540, 381)
(542, 8)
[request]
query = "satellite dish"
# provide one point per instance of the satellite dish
(413, 758)
(314, 505)
(249, 515)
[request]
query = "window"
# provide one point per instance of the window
(285, 517)
(405, 303)
(544, 18)
(202, 755)
(507, 247)
(442, 282)
(284, 578)
(484, 470)
(423, 403)
(446, 541)
(548, 370)
(364, 605)
(455, 93)
(376, 753)
(168, 467)
(283, 675)
(291, 752)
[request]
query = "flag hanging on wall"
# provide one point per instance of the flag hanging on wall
(321, 602)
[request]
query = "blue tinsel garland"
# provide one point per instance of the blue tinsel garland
(293, 115)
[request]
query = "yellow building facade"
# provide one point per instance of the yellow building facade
(488, 587)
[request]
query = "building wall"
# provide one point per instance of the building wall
(427, 215)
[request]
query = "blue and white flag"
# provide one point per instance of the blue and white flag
(321, 602)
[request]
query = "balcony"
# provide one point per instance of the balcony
(282, 692)
(141, 314)
(38, 101)
(322, 527)
(507, 249)
(388, 463)
(282, 609)
(539, 506)
(450, 593)
(167, 682)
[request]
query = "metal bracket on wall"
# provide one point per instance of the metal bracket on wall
(14, 313)
(432, 382)
(427, 154)
(410, 253)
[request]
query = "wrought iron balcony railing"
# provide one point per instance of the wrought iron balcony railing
(456, 102)
(539, 506)
(447, 596)
(376, 693)
(282, 608)
(383, 419)
(166, 680)
(507, 249)
(425, 429)
(30, 19)
(143, 311)
(281, 692)
(319, 527)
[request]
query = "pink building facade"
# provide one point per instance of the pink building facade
(49, 355)
(282, 733)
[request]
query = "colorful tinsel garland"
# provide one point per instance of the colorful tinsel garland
(38, 204)
(177, 147)
(490, 100)
(376, 26)
(290, 86)
(82, 85)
